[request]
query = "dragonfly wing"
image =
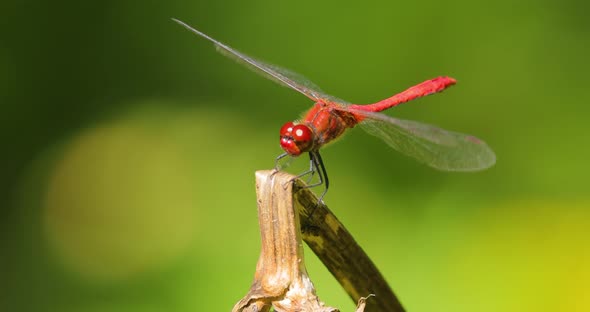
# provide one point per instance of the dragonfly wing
(438, 148)
(280, 75)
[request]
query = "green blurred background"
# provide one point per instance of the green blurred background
(130, 146)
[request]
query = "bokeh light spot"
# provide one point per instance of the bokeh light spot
(120, 202)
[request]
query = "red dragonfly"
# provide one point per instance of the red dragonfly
(329, 118)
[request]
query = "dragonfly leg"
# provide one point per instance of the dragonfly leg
(283, 155)
(323, 175)
(316, 164)
(312, 169)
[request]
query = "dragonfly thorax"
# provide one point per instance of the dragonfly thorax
(296, 139)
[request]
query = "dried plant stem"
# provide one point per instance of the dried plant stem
(281, 280)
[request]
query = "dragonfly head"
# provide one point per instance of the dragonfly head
(296, 139)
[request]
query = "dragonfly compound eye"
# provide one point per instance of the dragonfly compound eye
(301, 134)
(295, 139)
(286, 129)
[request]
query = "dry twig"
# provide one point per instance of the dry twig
(281, 280)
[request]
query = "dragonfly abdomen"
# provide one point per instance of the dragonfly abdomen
(425, 88)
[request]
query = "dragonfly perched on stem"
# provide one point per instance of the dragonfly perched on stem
(330, 117)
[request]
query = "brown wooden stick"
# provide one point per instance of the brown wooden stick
(281, 280)
(339, 252)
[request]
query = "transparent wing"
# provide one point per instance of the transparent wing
(438, 148)
(282, 76)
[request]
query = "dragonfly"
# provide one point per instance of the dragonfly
(330, 117)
